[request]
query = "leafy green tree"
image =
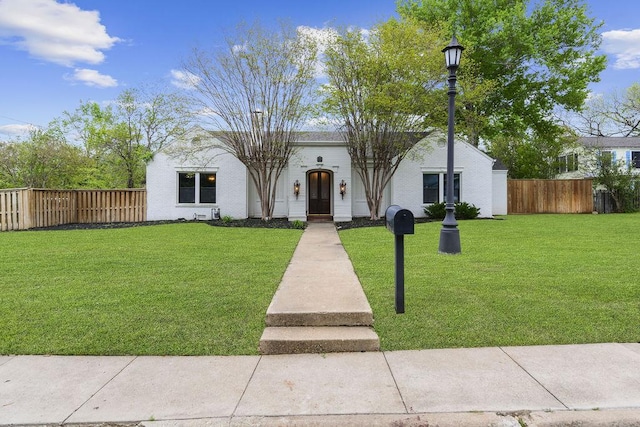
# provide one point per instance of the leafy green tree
(121, 137)
(8, 165)
(256, 91)
(43, 160)
(531, 59)
(384, 91)
(531, 157)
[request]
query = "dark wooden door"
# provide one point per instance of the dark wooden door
(319, 193)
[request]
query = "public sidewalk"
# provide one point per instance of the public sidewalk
(595, 384)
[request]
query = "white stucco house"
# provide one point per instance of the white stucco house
(321, 174)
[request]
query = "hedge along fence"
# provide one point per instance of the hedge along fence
(530, 196)
(24, 208)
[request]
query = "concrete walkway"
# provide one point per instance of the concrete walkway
(320, 306)
(594, 384)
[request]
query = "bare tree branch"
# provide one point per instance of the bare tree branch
(256, 92)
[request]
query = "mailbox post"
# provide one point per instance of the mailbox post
(399, 222)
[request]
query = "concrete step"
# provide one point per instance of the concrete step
(318, 339)
(320, 318)
(313, 293)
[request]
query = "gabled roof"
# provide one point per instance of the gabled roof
(609, 142)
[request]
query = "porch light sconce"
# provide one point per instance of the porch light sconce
(296, 188)
(343, 188)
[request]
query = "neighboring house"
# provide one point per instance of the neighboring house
(581, 161)
(320, 172)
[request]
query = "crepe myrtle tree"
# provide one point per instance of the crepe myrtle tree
(384, 91)
(256, 91)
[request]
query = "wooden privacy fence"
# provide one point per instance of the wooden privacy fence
(24, 208)
(530, 196)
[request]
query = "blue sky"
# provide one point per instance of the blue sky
(55, 54)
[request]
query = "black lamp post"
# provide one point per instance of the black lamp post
(449, 234)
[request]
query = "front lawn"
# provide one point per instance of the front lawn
(524, 280)
(173, 289)
(193, 289)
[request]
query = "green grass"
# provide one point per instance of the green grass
(194, 289)
(524, 280)
(163, 290)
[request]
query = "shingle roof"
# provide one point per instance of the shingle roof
(498, 165)
(317, 136)
(610, 142)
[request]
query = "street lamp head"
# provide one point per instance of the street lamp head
(452, 53)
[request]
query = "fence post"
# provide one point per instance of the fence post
(27, 208)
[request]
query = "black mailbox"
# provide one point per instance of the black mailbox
(399, 221)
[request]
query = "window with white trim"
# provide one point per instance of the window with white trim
(635, 159)
(607, 158)
(434, 187)
(568, 163)
(196, 187)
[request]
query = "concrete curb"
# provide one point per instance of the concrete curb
(605, 418)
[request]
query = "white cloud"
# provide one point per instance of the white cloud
(92, 78)
(594, 96)
(239, 48)
(61, 33)
(321, 36)
(16, 130)
(207, 112)
(184, 79)
(625, 46)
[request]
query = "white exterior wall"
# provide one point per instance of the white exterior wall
(624, 155)
(162, 187)
(359, 198)
(430, 156)
(336, 160)
(500, 192)
(280, 207)
(236, 195)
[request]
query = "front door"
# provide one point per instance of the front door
(319, 193)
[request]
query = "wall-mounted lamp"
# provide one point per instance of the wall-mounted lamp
(343, 188)
(296, 188)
